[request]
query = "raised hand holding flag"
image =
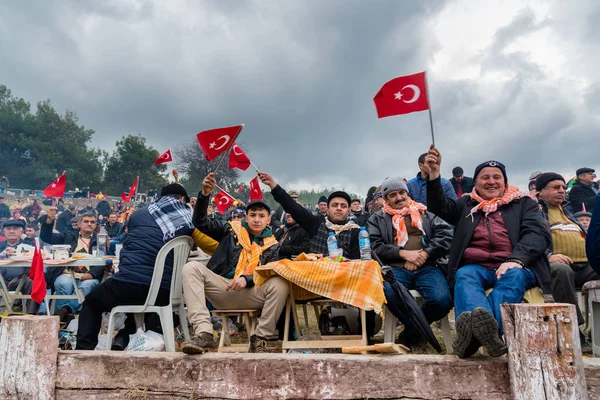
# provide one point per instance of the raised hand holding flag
(132, 191)
(238, 159)
(57, 187)
(164, 158)
(255, 190)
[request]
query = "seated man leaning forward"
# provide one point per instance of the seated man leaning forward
(226, 281)
(499, 243)
(410, 239)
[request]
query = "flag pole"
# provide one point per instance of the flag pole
(429, 109)
(254, 165)
(231, 143)
(224, 191)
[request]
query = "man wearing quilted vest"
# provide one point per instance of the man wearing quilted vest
(499, 243)
(226, 281)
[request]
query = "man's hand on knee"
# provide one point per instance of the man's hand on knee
(505, 267)
(237, 284)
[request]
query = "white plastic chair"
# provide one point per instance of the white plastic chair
(181, 247)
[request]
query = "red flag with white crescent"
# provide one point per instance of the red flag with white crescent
(57, 187)
(402, 95)
(216, 141)
(164, 158)
(223, 201)
(255, 190)
(132, 191)
(238, 159)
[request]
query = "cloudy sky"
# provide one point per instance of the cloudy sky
(511, 80)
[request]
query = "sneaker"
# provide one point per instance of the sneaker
(262, 345)
(465, 344)
(485, 330)
(200, 344)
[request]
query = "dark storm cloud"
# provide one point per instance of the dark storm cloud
(300, 74)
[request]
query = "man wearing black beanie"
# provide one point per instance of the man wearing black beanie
(566, 253)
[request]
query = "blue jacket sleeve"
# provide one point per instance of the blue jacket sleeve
(449, 190)
(593, 239)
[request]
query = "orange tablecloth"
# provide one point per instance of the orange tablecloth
(358, 283)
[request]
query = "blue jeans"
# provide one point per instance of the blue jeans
(430, 282)
(11, 273)
(473, 280)
(63, 285)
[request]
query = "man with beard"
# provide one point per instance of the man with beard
(293, 240)
(408, 238)
(499, 243)
(462, 184)
(361, 215)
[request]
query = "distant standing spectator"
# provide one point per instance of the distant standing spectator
(63, 223)
(584, 192)
(461, 183)
(87, 209)
(4, 184)
(417, 186)
(4, 210)
(103, 208)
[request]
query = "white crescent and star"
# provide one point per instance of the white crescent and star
(235, 147)
(225, 139)
(416, 94)
(224, 202)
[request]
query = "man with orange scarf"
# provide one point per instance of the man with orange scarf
(499, 243)
(410, 239)
(226, 280)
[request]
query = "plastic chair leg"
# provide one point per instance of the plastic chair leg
(183, 321)
(389, 327)
(166, 321)
(445, 323)
(110, 329)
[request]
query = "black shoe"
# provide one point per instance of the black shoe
(485, 330)
(120, 343)
(200, 344)
(465, 343)
(413, 341)
(262, 345)
(586, 348)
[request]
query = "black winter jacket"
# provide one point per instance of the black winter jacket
(467, 185)
(226, 256)
(70, 238)
(63, 223)
(582, 194)
(528, 232)
(437, 237)
(296, 241)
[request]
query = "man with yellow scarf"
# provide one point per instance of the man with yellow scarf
(226, 280)
(499, 243)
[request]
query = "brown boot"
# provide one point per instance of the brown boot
(200, 344)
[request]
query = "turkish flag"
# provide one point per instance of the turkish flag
(164, 157)
(132, 191)
(216, 141)
(241, 188)
(238, 159)
(36, 274)
(255, 191)
(402, 95)
(223, 201)
(57, 187)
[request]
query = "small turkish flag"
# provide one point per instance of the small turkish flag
(216, 141)
(36, 274)
(223, 201)
(132, 191)
(241, 188)
(164, 157)
(255, 191)
(238, 159)
(402, 95)
(57, 187)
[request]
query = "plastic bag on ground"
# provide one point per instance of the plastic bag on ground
(119, 321)
(146, 341)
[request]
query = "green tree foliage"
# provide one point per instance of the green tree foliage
(193, 166)
(34, 148)
(133, 157)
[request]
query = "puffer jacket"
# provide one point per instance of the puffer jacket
(226, 256)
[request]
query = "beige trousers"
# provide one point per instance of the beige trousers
(201, 284)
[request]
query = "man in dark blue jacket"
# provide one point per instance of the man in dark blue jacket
(150, 228)
(593, 239)
(417, 186)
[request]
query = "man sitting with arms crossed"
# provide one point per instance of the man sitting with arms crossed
(499, 243)
(227, 280)
(410, 239)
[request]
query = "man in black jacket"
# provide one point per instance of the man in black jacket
(113, 227)
(4, 210)
(81, 241)
(227, 279)
(293, 240)
(584, 192)
(500, 241)
(63, 223)
(410, 239)
(318, 226)
(462, 184)
(357, 210)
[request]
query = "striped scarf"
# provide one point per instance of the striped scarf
(413, 209)
(251, 251)
(490, 206)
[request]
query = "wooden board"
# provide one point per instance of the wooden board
(381, 348)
